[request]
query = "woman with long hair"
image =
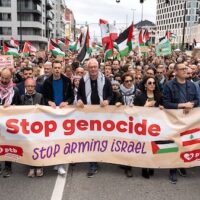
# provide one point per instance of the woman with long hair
(148, 96)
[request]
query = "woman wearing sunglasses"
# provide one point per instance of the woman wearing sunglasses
(148, 96)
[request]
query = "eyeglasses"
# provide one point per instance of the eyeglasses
(128, 81)
(151, 83)
(30, 86)
(138, 78)
(159, 72)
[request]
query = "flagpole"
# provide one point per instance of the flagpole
(20, 11)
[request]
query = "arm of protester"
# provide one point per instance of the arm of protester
(81, 92)
(104, 103)
(63, 104)
(118, 104)
(167, 101)
(80, 104)
(69, 93)
(52, 104)
(107, 91)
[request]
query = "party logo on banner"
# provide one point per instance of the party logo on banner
(11, 151)
(190, 156)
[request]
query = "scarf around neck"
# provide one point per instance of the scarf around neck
(7, 93)
(100, 85)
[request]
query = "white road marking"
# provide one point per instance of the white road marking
(59, 185)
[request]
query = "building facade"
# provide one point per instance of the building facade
(30, 20)
(171, 16)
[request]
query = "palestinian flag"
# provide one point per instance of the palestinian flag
(143, 37)
(167, 146)
(169, 35)
(14, 43)
(108, 50)
(190, 137)
(10, 50)
(124, 41)
(59, 42)
(28, 48)
(85, 51)
(55, 49)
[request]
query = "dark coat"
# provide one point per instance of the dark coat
(171, 94)
(16, 98)
(141, 98)
(116, 97)
(107, 91)
(34, 99)
(68, 94)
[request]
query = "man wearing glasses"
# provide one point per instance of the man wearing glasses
(179, 93)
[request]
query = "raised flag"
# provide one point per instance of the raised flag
(143, 36)
(28, 48)
(163, 48)
(108, 50)
(55, 49)
(190, 137)
(105, 31)
(10, 50)
(14, 43)
(167, 146)
(85, 51)
(124, 41)
(169, 35)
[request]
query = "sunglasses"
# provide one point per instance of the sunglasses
(151, 83)
(128, 81)
(138, 78)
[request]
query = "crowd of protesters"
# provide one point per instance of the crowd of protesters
(171, 82)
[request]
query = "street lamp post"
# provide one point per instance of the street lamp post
(133, 14)
(184, 16)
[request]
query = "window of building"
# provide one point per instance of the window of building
(5, 31)
(5, 3)
(5, 16)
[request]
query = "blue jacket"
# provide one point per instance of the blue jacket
(197, 84)
(171, 94)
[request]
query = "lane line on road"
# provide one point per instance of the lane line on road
(60, 185)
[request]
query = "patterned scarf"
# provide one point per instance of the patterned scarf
(7, 93)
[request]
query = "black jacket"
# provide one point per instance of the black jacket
(107, 91)
(16, 98)
(68, 94)
(116, 97)
(141, 98)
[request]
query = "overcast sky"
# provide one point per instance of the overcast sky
(91, 11)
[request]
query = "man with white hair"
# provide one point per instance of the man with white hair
(47, 73)
(94, 89)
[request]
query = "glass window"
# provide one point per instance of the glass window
(5, 31)
(5, 3)
(5, 16)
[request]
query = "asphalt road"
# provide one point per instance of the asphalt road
(109, 183)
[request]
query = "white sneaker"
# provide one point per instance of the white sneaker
(61, 170)
(56, 167)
